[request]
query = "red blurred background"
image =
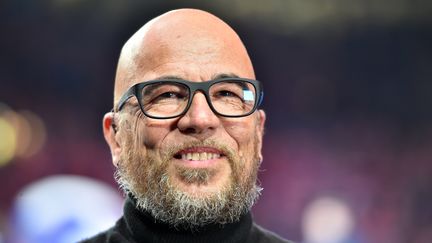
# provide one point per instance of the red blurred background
(347, 94)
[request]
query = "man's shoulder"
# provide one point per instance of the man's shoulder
(261, 235)
(112, 235)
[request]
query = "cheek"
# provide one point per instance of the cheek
(153, 132)
(243, 133)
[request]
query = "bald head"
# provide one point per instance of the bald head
(187, 43)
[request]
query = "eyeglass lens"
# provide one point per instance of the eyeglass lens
(165, 99)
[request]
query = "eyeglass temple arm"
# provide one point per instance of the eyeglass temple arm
(261, 98)
(261, 91)
(125, 97)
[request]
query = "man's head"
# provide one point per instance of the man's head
(199, 167)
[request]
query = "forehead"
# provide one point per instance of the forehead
(183, 47)
(192, 54)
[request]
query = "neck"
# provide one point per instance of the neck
(145, 228)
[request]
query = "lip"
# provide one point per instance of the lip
(199, 157)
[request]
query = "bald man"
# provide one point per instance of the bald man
(186, 134)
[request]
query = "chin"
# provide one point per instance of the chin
(215, 185)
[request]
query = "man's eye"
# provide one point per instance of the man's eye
(226, 93)
(169, 95)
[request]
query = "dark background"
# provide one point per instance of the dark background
(347, 94)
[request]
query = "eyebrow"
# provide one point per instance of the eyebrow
(171, 77)
(151, 88)
(216, 76)
(175, 77)
(225, 75)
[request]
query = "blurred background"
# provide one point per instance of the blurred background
(348, 144)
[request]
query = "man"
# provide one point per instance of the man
(185, 134)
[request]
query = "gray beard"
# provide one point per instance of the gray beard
(147, 180)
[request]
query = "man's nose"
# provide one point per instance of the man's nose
(199, 118)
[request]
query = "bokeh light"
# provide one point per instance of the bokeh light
(327, 220)
(63, 209)
(23, 134)
(31, 134)
(7, 141)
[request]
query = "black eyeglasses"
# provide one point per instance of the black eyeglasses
(169, 98)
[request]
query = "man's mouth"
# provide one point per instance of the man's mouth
(199, 154)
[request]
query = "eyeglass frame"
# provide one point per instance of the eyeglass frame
(204, 87)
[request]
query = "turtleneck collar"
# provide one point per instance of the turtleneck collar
(144, 228)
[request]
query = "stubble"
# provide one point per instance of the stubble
(146, 178)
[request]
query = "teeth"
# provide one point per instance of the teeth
(200, 156)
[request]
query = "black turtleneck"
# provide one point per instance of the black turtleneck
(137, 226)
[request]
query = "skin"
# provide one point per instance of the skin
(196, 46)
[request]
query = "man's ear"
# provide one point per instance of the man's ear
(260, 130)
(110, 130)
(262, 119)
